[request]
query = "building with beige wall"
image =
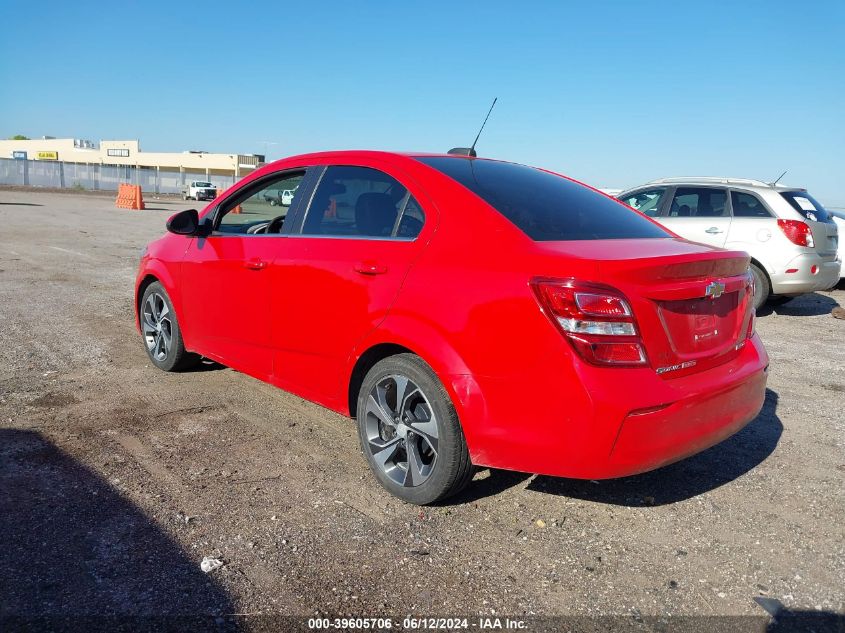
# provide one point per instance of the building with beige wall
(196, 165)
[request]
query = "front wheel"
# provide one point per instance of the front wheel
(762, 289)
(410, 432)
(162, 336)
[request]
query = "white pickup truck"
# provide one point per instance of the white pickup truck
(199, 190)
(283, 197)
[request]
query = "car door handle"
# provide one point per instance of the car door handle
(369, 268)
(255, 264)
(713, 230)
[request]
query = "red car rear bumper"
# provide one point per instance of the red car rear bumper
(649, 440)
(618, 422)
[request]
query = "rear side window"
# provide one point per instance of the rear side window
(806, 205)
(701, 202)
(362, 202)
(544, 206)
(646, 202)
(746, 205)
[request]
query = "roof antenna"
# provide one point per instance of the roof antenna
(778, 178)
(470, 151)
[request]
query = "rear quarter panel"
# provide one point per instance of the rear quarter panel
(467, 309)
(762, 240)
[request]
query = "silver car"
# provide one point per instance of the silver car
(839, 218)
(791, 238)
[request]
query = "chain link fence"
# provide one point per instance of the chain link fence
(61, 175)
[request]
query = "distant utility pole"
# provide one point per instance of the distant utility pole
(266, 145)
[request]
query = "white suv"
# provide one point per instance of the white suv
(791, 238)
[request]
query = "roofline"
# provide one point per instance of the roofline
(712, 180)
(373, 153)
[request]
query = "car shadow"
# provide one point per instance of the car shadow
(22, 204)
(795, 621)
(489, 482)
(813, 304)
(779, 620)
(798, 620)
(205, 364)
(76, 548)
(685, 479)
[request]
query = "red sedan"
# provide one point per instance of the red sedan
(467, 312)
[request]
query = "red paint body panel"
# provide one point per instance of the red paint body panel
(226, 303)
(459, 297)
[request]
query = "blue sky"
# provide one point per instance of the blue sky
(613, 93)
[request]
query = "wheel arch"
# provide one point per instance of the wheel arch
(408, 335)
(145, 283)
(759, 264)
(405, 334)
(154, 270)
(365, 362)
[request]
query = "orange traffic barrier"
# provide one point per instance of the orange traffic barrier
(129, 197)
(236, 209)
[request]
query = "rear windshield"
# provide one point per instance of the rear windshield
(807, 206)
(544, 206)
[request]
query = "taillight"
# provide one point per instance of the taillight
(797, 232)
(751, 290)
(596, 320)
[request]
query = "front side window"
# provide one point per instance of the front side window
(261, 208)
(746, 205)
(698, 202)
(545, 206)
(362, 202)
(646, 202)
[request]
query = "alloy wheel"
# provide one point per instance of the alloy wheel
(401, 430)
(157, 325)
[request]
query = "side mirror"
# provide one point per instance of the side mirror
(184, 223)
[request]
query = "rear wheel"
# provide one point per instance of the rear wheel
(762, 288)
(410, 433)
(162, 336)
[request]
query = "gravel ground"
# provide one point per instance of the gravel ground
(116, 479)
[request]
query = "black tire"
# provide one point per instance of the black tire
(156, 324)
(762, 289)
(273, 202)
(429, 409)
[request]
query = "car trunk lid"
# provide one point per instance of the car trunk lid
(826, 237)
(693, 303)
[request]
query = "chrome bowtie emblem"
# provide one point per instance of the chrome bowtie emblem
(715, 290)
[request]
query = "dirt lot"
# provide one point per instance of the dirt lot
(116, 479)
